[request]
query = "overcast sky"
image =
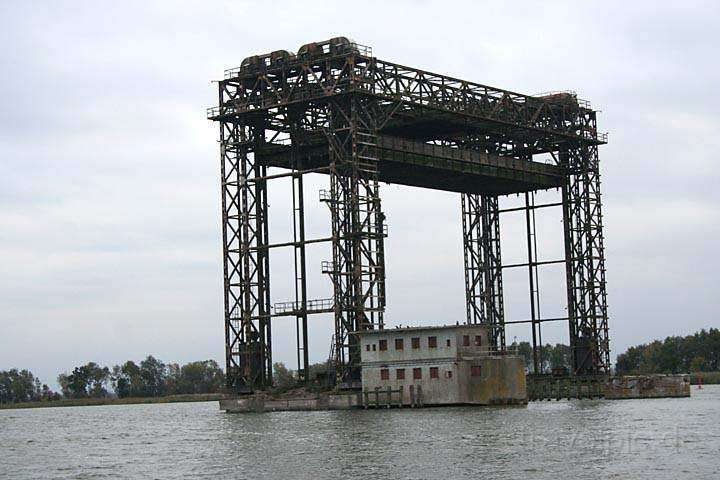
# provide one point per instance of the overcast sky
(109, 172)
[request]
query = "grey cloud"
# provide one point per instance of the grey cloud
(109, 202)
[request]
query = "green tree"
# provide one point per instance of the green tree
(649, 360)
(524, 349)
(153, 376)
(698, 364)
(629, 362)
(697, 352)
(47, 394)
(559, 356)
(127, 381)
(549, 356)
(98, 378)
(88, 380)
(283, 377)
(201, 377)
(19, 386)
(323, 368)
(173, 378)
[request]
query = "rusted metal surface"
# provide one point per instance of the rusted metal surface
(335, 109)
(563, 386)
(415, 163)
(648, 386)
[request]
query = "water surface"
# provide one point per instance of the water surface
(658, 439)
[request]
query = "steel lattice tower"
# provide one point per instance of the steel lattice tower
(336, 109)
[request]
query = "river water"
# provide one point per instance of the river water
(658, 439)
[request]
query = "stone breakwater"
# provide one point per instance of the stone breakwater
(262, 403)
(545, 388)
(648, 386)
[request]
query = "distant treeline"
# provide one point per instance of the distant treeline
(699, 352)
(18, 386)
(285, 378)
(549, 356)
(151, 378)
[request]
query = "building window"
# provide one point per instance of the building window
(466, 340)
(374, 347)
(447, 342)
(417, 373)
(400, 374)
(415, 343)
(385, 374)
(475, 371)
(398, 344)
(432, 342)
(383, 345)
(434, 372)
(367, 347)
(449, 373)
(478, 340)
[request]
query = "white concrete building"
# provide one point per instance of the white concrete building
(438, 366)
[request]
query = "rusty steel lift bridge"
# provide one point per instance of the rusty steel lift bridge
(335, 109)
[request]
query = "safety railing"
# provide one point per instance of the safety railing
(317, 304)
(558, 95)
(325, 195)
(421, 88)
(364, 49)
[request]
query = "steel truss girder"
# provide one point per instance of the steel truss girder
(358, 230)
(585, 261)
(483, 264)
(408, 91)
(348, 100)
(245, 262)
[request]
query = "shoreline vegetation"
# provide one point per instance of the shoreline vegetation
(708, 378)
(86, 402)
(153, 381)
(698, 354)
(150, 381)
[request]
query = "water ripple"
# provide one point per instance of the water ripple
(657, 439)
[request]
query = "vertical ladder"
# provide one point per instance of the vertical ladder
(533, 280)
(300, 307)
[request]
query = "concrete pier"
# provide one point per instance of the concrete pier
(547, 387)
(647, 386)
(259, 403)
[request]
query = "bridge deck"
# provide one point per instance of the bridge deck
(407, 162)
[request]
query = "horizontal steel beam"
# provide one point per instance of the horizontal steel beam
(541, 320)
(416, 163)
(533, 207)
(291, 244)
(533, 264)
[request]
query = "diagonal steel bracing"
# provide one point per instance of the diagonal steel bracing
(245, 266)
(585, 261)
(358, 231)
(483, 264)
(359, 120)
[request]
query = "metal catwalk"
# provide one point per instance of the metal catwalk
(337, 110)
